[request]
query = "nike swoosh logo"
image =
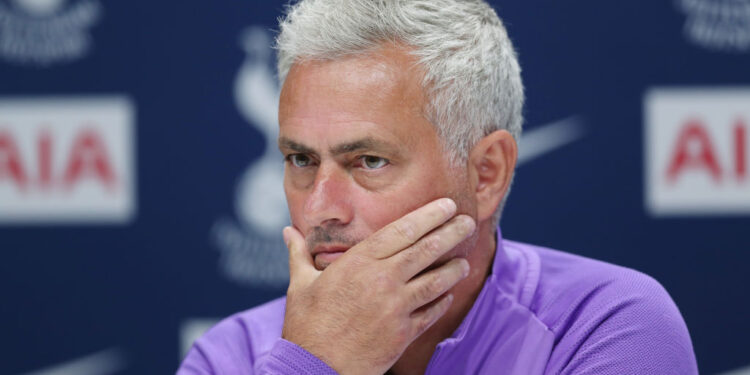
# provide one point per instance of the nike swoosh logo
(544, 139)
(105, 362)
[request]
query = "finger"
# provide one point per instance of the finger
(429, 248)
(426, 288)
(301, 265)
(424, 318)
(408, 229)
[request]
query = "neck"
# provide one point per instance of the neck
(417, 356)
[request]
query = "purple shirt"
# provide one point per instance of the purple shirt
(541, 311)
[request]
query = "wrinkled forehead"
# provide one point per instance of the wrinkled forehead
(379, 94)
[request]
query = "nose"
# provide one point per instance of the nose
(329, 200)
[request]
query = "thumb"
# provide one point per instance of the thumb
(302, 269)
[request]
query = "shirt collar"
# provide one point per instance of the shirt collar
(508, 281)
(500, 311)
(501, 258)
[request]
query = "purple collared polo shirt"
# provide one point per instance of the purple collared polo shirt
(541, 311)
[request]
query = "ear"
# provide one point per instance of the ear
(491, 165)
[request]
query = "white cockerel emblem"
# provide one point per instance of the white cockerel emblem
(252, 251)
(260, 201)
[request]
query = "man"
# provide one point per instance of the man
(398, 120)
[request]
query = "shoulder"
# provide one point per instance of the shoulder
(256, 328)
(237, 341)
(602, 314)
(572, 287)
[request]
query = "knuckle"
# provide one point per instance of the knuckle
(294, 289)
(427, 249)
(435, 284)
(356, 260)
(423, 324)
(430, 289)
(392, 309)
(410, 256)
(291, 291)
(383, 283)
(432, 244)
(406, 229)
(403, 333)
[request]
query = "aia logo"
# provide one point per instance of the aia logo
(66, 160)
(696, 151)
(87, 159)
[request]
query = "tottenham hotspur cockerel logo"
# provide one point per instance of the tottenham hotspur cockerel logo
(252, 251)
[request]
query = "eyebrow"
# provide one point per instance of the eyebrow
(294, 146)
(366, 143)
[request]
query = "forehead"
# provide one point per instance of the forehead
(377, 94)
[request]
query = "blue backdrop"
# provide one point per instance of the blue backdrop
(202, 238)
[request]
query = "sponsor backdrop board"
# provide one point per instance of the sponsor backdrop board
(140, 189)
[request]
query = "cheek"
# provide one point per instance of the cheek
(432, 186)
(295, 199)
(377, 210)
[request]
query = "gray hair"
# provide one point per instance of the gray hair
(472, 77)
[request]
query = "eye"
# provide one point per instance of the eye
(373, 162)
(299, 160)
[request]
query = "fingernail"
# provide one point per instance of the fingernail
(448, 205)
(466, 268)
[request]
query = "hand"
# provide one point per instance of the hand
(362, 312)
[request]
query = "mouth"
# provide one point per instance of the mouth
(325, 255)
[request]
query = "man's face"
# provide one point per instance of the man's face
(359, 152)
